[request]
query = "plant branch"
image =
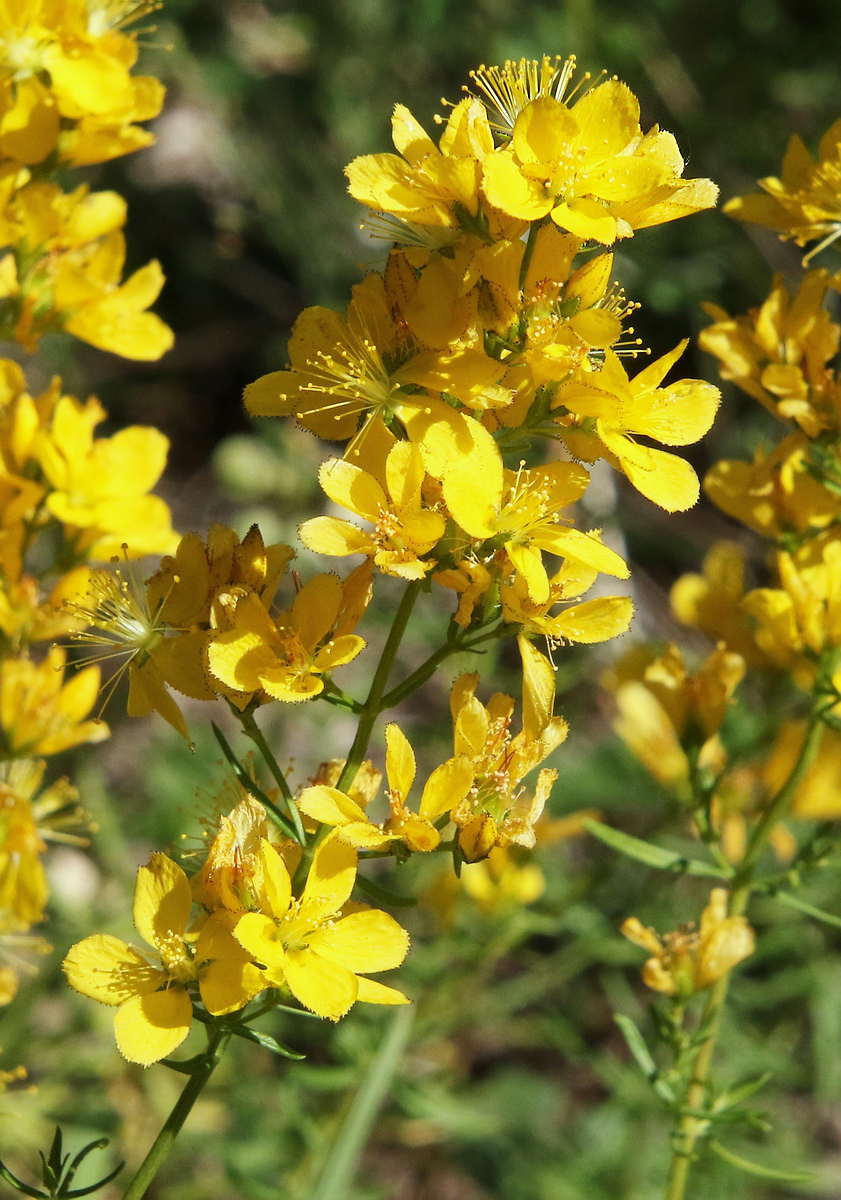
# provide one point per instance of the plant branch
(161, 1147)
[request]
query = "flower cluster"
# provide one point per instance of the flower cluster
(492, 332)
(784, 354)
(690, 960)
(68, 498)
(68, 98)
(804, 203)
(250, 934)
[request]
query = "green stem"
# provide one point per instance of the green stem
(428, 668)
(374, 702)
(252, 730)
(368, 713)
(779, 806)
(163, 1143)
(691, 1127)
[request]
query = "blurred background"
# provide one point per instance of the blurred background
(516, 1083)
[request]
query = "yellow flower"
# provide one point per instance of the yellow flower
(500, 882)
(29, 817)
(342, 369)
(187, 585)
(161, 630)
(404, 531)
(23, 883)
(70, 65)
(315, 950)
(799, 620)
(352, 377)
(233, 876)
(664, 709)
(619, 407)
(126, 623)
(429, 184)
(446, 787)
(590, 168)
(519, 513)
(154, 1002)
(588, 621)
(286, 657)
(777, 493)
(40, 714)
(689, 960)
(99, 486)
(515, 84)
(818, 795)
(711, 601)
(16, 947)
(778, 353)
(111, 315)
(805, 203)
(497, 811)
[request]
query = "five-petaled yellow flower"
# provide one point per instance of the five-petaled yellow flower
(317, 948)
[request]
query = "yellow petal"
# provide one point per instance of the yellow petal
(409, 137)
(276, 882)
(373, 992)
(505, 186)
(162, 900)
(594, 620)
(332, 535)
(446, 787)
(109, 970)
(329, 806)
(148, 1028)
(663, 478)
(331, 877)
(260, 936)
(587, 219)
(399, 761)
(325, 988)
(227, 985)
(363, 941)
(538, 688)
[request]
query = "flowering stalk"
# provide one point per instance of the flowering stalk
(163, 1143)
(374, 702)
(691, 1126)
(492, 332)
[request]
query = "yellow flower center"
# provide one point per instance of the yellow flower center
(355, 373)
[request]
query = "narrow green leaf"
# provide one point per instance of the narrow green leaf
(741, 1093)
(337, 1175)
(763, 1172)
(266, 1041)
(187, 1066)
(95, 1187)
(19, 1185)
(298, 1012)
(819, 914)
(653, 856)
(636, 1044)
(642, 1056)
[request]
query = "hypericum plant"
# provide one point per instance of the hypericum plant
(470, 382)
(781, 791)
(68, 499)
